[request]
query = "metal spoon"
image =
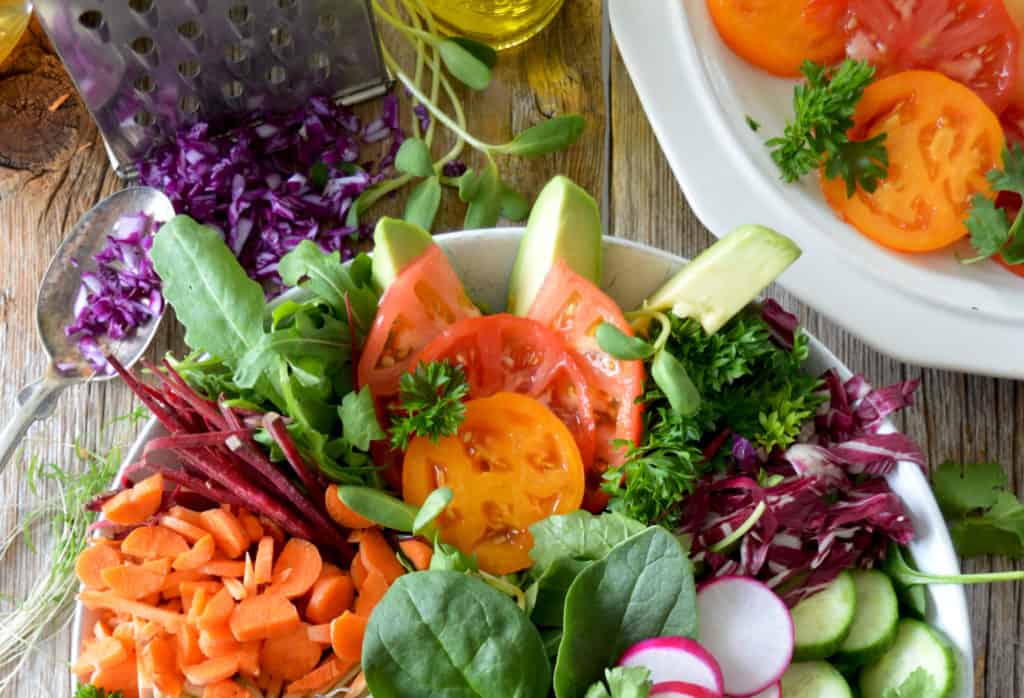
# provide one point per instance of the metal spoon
(54, 312)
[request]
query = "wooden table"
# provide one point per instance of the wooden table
(572, 67)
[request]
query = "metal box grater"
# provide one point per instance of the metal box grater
(146, 68)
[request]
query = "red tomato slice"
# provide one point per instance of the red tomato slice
(505, 353)
(574, 308)
(425, 299)
(972, 41)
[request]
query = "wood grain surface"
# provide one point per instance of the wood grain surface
(570, 67)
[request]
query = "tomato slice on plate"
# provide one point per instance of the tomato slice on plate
(778, 35)
(505, 353)
(512, 464)
(574, 307)
(972, 41)
(426, 298)
(942, 141)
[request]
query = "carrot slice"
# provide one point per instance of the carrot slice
(189, 651)
(378, 556)
(92, 561)
(123, 677)
(225, 689)
(224, 568)
(358, 572)
(249, 578)
(189, 592)
(197, 604)
(329, 570)
(160, 664)
(218, 641)
(253, 527)
(111, 601)
(185, 514)
(341, 514)
(133, 581)
(218, 610)
(264, 616)
(304, 561)
(418, 552)
(330, 671)
(183, 528)
(227, 531)
(370, 595)
(347, 631)
(264, 560)
(150, 542)
(320, 634)
(290, 655)
(136, 504)
(212, 670)
(178, 579)
(329, 598)
(235, 588)
(249, 659)
(197, 556)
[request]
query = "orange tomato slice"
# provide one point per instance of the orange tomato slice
(512, 464)
(778, 35)
(942, 141)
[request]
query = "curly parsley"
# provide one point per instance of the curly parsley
(431, 403)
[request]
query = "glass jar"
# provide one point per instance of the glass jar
(500, 23)
(14, 16)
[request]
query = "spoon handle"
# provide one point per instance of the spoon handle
(35, 402)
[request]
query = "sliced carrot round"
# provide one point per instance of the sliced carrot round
(197, 556)
(226, 689)
(212, 670)
(341, 514)
(92, 561)
(378, 556)
(290, 656)
(227, 530)
(137, 503)
(329, 598)
(133, 581)
(347, 631)
(150, 542)
(262, 617)
(297, 569)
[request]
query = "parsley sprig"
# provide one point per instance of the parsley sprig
(823, 109)
(431, 403)
(991, 230)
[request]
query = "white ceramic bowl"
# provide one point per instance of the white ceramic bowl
(484, 259)
(925, 308)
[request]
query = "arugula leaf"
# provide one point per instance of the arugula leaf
(623, 682)
(919, 684)
(823, 108)
(305, 335)
(359, 419)
(991, 230)
(325, 275)
(431, 402)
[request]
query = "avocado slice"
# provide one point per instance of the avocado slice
(565, 223)
(397, 244)
(724, 278)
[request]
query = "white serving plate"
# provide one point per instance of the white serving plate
(926, 308)
(483, 260)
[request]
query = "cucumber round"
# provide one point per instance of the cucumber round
(874, 620)
(918, 646)
(814, 680)
(821, 622)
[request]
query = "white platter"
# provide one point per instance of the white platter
(924, 309)
(484, 259)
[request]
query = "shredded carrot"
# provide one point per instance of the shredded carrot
(234, 587)
(133, 581)
(251, 524)
(197, 556)
(218, 641)
(330, 671)
(185, 529)
(320, 634)
(111, 601)
(249, 578)
(218, 610)
(358, 572)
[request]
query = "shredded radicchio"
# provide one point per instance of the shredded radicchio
(827, 505)
(256, 185)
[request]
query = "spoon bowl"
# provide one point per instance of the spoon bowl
(55, 304)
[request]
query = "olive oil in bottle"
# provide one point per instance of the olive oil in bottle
(500, 23)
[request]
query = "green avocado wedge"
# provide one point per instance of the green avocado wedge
(565, 223)
(723, 279)
(396, 245)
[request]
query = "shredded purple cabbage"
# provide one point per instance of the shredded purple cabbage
(121, 294)
(255, 184)
(827, 505)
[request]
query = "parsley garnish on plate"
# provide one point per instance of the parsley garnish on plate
(984, 516)
(991, 230)
(823, 110)
(431, 403)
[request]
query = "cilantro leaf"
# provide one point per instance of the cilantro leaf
(823, 108)
(984, 517)
(359, 419)
(623, 682)
(919, 684)
(962, 489)
(90, 691)
(1011, 177)
(988, 226)
(991, 230)
(431, 403)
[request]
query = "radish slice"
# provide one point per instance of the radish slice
(676, 659)
(681, 689)
(748, 629)
(773, 691)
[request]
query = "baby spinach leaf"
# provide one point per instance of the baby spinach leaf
(579, 536)
(380, 507)
(446, 633)
(464, 65)
(433, 506)
(546, 137)
(324, 274)
(643, 589)
(413, 158)
(550, 589)
(423, 202)
(359, 419)
(620, 345)
(220, 307)
(623, 682)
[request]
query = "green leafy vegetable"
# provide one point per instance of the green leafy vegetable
(446, 633)
(675, 384)
(434, 505)
(448, 557)
(359, 419)
(620, 345)
(546, 137)
(464, 65)
(622, 682)
(90, 691)
(482, 52)
(984, 516)
(431, 399)
(485, 207)
(423, 202)
(919, 684)
(991, 230)
(897, 567)
(380, 507)
(752, 123)
(642, 589)
(580, 536)
(413, 158)
(514, 206)
(332, 281)
(823, 109)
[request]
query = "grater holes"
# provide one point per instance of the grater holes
(239, 14)
(189, 105)
(276, 75)
(280, 38)
(190, 30)
(140, 6)
(233, 89)
(189, 70)
(143, 45)
(326, 22)
(144, 119)
(91, 19)
(286, 4)
(144, 84)
(320, 65)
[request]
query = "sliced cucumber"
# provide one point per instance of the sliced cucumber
(874, 621)
(814, 680)
(821, 622)
(917, 646)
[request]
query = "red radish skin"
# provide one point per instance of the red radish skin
(749, 630)
(681, 689)
(676, 659)
(773, 691)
